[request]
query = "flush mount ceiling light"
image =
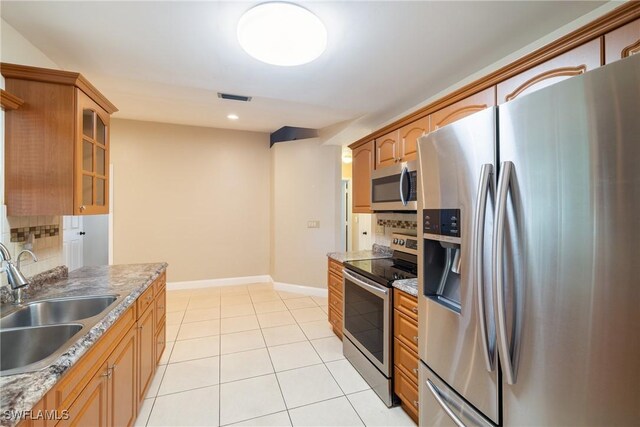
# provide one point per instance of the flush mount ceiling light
(232, 117)
(282, 34)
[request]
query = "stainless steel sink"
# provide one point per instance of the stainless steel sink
(35, 335)
(60, 310)
(26, 349)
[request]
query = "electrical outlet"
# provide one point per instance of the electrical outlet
(380, 230)
(313, 224)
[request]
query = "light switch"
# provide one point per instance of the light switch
(313, 224)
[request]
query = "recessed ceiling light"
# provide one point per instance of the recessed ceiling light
(282, 34)
(232, 117)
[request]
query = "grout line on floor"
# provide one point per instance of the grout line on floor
(277, 379)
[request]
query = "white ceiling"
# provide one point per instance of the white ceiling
(166, 61)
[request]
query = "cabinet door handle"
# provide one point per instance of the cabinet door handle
(415, 310)
(82, 208)
(415, 339)
(416, 403)
(415, 371)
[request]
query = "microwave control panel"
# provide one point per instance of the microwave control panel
(445, 222)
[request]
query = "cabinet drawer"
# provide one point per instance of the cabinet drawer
(335, 318)
(335, 284)
(160, 283)
(335, 267)
(161, 307)
(335, 302)
(406, 330)
(406, 360)
(407, 304)
(407, 392)
(145, 300)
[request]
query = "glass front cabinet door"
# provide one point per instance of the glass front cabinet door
(92, 158)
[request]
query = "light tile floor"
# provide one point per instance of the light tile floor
(252, 356)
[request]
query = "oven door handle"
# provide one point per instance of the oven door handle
(376, 289)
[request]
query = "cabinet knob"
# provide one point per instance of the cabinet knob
(415, 339)
(415, 403)
(82, 208)
(414, 309)
(415, 371)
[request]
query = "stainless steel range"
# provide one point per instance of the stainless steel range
(368, 305)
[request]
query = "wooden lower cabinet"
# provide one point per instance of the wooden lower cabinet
(146, 351)
(334, 278)
(123, 405)
(107, 385)
(407, 391)
(91, 406)
(405, 351)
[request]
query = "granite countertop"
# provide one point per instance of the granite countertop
(20, 392)
(378, 251)
(409, 286)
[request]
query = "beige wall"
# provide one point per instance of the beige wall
(16, 49)
(306, 187)
(195, 197)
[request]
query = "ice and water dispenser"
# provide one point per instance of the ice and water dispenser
(441, 228)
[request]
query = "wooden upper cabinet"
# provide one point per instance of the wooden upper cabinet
(56, 144)
(388, 149)
(361, 169)
(409, 135)
(572, 63)
(622, 42)
(463, 108)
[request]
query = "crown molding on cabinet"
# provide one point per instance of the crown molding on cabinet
(46, 75)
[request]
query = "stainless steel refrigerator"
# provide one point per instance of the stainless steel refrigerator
(529, 266)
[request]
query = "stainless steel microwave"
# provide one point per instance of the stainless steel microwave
(394, 188)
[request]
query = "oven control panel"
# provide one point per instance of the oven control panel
(404, 243)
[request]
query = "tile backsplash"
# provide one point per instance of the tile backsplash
(385, 224)
(48, 247)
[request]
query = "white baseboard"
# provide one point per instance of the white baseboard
(213, 283)
(300, 289)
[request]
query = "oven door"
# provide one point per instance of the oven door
(367, 319)
(394, 188)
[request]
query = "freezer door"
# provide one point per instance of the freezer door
(569, 244)
(440, 406)
(456, 167)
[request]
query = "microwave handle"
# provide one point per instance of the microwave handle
(404, 199)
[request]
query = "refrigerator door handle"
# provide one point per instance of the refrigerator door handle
(436, 393)
(504, 183)
(484, 187)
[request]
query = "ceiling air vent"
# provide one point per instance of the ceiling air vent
(234, 97)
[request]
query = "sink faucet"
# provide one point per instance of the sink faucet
(16, 279)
